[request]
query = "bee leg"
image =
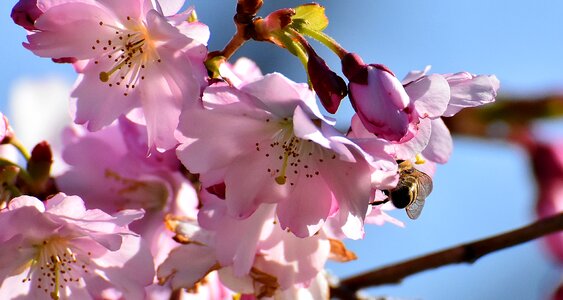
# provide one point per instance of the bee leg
(374, 203)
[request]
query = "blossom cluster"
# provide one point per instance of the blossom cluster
(179, 180)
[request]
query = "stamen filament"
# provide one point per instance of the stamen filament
(281, 179)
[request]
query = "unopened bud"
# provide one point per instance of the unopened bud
(39, 165)
(330, 87)
(25, 12)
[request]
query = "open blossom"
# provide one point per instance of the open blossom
(263, 261)
(269, 143)
(131, 56)
(59, 248)
(429, 97)
(109, 169)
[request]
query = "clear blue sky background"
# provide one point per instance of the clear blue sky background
(486, 188)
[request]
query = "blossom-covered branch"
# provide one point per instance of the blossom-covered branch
(466, 253)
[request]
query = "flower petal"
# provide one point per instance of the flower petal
(440, 145)
(430, 95)
(70, 30)
(182, 270)
(313, 202)
(469, 90)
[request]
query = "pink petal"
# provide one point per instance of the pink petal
(68, 206)
(182, 270)
(468, 90)
(351, 185)
(130, 269)
(70, 30)
(440, 145)
(243, 191)
(409, 149)
(430, 95)
(278, 93)
(293, 260)
(239, 250)
(306, 208)
(124, 8)
(170, 7)
(306, 129)
(25, 201)
(216, 138)
(159, 29)
(97, 104)
(415, 75)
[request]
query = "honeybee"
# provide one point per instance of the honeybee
(411, 191)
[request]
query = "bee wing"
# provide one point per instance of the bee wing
(424, 188)
(414, 210)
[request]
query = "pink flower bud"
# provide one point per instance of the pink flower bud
(330, 87)
(39, 165)
(378, 97)
(25, 12)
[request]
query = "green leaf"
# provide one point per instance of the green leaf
(312, 16)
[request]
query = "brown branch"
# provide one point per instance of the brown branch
(466, 253)
(244, 17)
(511, 113)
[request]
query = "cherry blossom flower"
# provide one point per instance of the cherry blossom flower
(431, 97)
(131, 56)
(442, 95)
(264, 261)
(109, 169)
(59, 248)
(272, 128)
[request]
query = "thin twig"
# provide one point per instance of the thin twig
(466, 253)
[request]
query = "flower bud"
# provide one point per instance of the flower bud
(25, 12)
(330, 87)
(39, 165)
(378, 97)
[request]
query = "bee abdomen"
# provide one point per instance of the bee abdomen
(405, 192)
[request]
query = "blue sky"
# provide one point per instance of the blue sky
(487, 186)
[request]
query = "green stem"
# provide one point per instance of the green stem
(21, 148)
(4, 162)
(295, 48)
(326, 40)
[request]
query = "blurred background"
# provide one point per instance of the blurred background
(485, 189)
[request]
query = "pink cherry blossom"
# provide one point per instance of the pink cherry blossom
(432, 97)
(274, 146)
(265, 254)
(59, 248)
(109, 169)
(131, 56)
